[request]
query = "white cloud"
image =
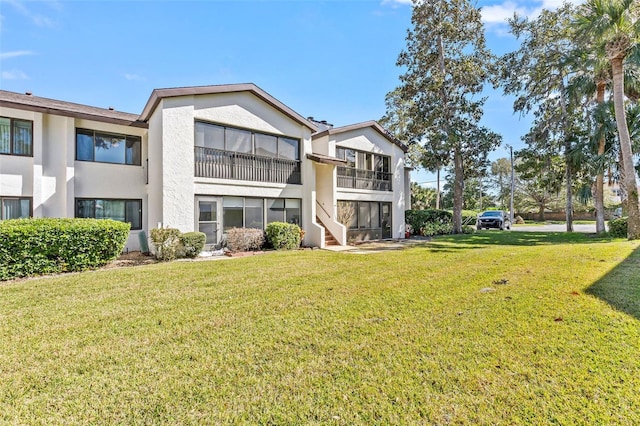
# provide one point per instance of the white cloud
(499, 13)
(15, 54)
(133, 77)
(495, 15)
(37, 19)
(14, 75)
(396, 2)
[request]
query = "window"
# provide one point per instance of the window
(349, 155)
(233, 212)
(365, 214)
(266, 145)
(121, 210)
(364, 160)
(15, 208)
(16, 137)
(108, 148)
(245, 141)
(239, 212)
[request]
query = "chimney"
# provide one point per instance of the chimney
(322, 125)
(28, 93)
(110, 108)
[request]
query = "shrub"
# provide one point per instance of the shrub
(431, 229)
(417, 219)
(47, 245)
(618, 227)
(283, 236)
(519, 220)
(245, 239)
(192, 243)
(166, 242)
(468, 229)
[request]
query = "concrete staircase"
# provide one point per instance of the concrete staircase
(329, 239)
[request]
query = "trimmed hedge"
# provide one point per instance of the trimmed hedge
(47, 246)
(283, 236)
(192, 243)
(166, 242)
(618, 228)
(245, 239)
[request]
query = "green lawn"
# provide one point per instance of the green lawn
(315, 337)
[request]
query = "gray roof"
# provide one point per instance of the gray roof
(373, 124)
(67, 109)
(158, 94)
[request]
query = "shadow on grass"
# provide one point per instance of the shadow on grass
(514, 239)
(620, 288)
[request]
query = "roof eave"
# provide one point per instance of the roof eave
(158, 94)
(373, 124)
(74, 114)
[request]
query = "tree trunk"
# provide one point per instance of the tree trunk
(541, 213)
(630, 181)
(567, 151)
(458, 191)
(599, 192)
(438, 188)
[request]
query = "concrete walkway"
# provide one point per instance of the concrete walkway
(587, 229)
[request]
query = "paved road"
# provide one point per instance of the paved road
(587, 229)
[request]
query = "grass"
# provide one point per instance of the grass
(314, 337)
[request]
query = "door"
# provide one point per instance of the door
(207, 219)
(386, 220)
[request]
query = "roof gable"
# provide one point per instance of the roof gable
(158, 94)
(372, 124)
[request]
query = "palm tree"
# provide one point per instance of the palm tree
(613, 26)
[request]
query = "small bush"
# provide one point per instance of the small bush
(166, 242)
(468, 229)
(618, 228)
(431, 229)
(519, 220)
(283, 236)
(47, 245)
(245, 239)
(417, 219)
(192, 243)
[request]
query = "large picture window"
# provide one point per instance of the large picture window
(245, 141)
(108, 147)
(364, 170)
(240, 212)
(16, 137)
(15, 208)
(364, 160)
(121, 210)
(366, 220)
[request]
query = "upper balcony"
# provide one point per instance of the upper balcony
(216, 163)
(350, 177)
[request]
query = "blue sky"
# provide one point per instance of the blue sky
(333, 60)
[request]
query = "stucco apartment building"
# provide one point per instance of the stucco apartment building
(204, 158)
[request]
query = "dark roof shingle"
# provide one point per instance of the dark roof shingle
(67, 109)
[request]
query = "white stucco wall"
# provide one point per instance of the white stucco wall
(54, 179)
(155, 170)
(105, 180)
(369, 140)
(16, 172)
(171, 141)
